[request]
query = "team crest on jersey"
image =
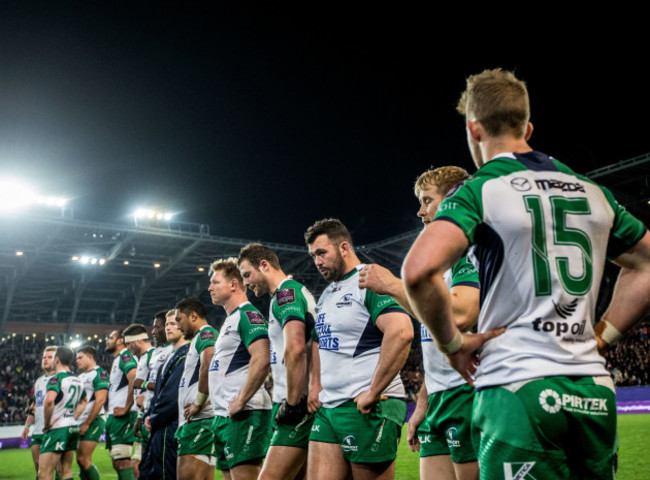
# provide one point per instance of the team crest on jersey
(126, 358)
(286, 295)
(53, 380)
(255, 318)
(207, 335)
(346, 301)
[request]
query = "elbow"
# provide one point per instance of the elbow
(295, 353)
(415, 275)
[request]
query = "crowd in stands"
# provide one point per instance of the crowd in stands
(20, 361)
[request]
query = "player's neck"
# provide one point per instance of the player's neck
(235, 300)
(179, 343)
(493, 146)
(275, 278)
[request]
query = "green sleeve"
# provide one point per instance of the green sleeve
(100, 381)
(626, 231)
(289, 304)
(379, 304)
(127, 362)
(252, 326)
(207, 338)
(463, 208)
(54, 384)
(463, 273)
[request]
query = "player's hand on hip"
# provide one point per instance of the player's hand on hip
(375, 278)
(313, 402)
(191, 409)
(235, 407)
(119, 411)
(465, 360)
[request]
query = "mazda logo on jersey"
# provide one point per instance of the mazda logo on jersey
(520, 184)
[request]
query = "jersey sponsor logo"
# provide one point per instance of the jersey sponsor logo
(314, 428)
(349, 444)
(446, 205)
(206, 335)
(286, 295)
(425, 336)
(255, 318)
(565, 311)
(560, 328)
(274, 356)
(552, 184)
(126, 358)
(59, 446)
(40, 397)
(325, 339)
(214, 365)
(517, 470)
(103, 375)
(346, 301)
(53, 380)
(520, 184)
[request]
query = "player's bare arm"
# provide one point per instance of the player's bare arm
(631, 298)
(315, 387)
(465, 306)
(398, 335)
(435, 250)
(193, 408)
(258, 369)
(100, 399)
(48, 409)
(381, 281)
(418, 416)
(295, 359)
(81, 406)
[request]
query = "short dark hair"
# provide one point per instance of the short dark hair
(135, 329)
(256, 252)
(65, 355)
(332, 227)
(162, 314)
(88, 350)
(189, 305)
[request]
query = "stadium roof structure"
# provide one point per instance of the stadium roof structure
(59, 274)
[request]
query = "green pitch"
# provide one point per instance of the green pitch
(634, 462)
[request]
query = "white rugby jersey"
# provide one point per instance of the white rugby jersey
(438, 374)
(291, 301)
(158, 359)
(142, 373)
(69, 391)
(95, 379)
(229, 365)
(39, 398)
(541, 235)
(349, 340)
(188, 387)
(119, 383)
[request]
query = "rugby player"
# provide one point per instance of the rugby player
(64, 401)
(91, 422)
(364, 340)
(196, 450)
(545, 405)
(291, 323)
(121, 410)
(35, 417)
(440, 426)
(242, 407)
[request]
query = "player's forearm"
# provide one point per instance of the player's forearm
(48, 410)
(432, 306)
(30, 420)
(258, 369)
(314, 367)
(398, 293)
(295, 360)
(96, 409)
(630, 301)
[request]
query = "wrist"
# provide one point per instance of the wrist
(453, 346)
(607, 332)
(200, 399)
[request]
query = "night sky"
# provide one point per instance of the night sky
(259, 121)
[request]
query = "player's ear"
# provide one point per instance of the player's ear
(529, 130)
(344, 248)
(474, 129)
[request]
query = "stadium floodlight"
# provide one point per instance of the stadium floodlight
(20, 253)
(75, 344)
(126, 262)
(16, 196)
(156, 265)
(152, 215)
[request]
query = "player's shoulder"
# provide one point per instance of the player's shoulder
(249, 314)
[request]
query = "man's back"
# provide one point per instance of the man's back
(541, 236)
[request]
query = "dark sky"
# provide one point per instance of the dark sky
(259, 121)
